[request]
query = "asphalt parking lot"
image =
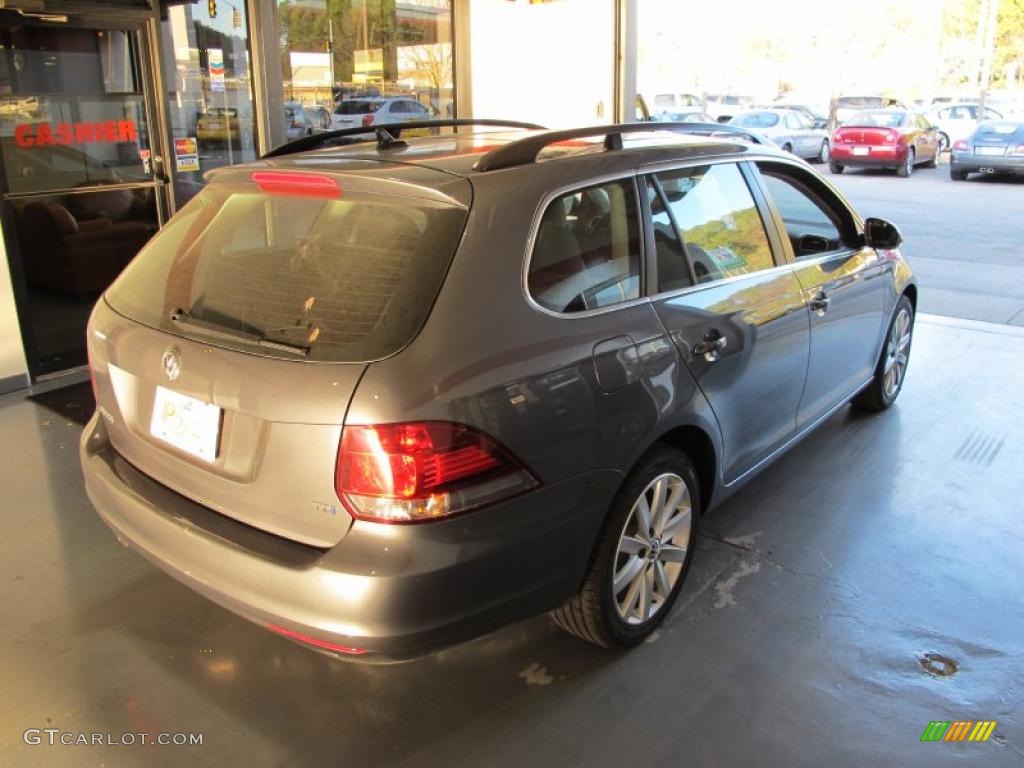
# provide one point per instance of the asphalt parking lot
(965, 240)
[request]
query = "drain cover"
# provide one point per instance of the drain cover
(937, 664)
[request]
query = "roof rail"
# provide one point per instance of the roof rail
(386, 135)
(525, 151)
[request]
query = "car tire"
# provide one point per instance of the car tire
(834, 166)
(957, 175)
(630, 549)
(891, 370)
(823, 154)
(905, 170)
(943, 142)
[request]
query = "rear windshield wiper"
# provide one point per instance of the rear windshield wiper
(182, 317)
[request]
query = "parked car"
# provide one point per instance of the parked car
(817, 117)
(297, 121)
(994, 147)
(320, 117)
(219, 124)
(684, 115)
(791, 130)
(885, 138)
(848, 106)
(958, 121)
(675, 102)
(353, 113)
(398, 395)
(723, 107)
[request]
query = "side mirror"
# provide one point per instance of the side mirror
(879, 233)
(821, 123)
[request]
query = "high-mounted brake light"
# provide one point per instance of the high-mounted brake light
(301, 184)
(394, 473)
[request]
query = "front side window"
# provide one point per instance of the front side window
(811, 225)
(587, 250)
(717, 221)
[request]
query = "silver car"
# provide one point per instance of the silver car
(791, 129)
(390, 396)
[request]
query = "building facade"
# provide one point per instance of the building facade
(112, 111)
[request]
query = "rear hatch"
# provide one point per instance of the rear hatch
(999, 139)
(227, 352)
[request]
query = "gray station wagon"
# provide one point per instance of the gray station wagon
(391, 395)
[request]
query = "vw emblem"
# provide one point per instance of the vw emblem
(171, 363)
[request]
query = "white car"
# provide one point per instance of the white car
(958, 121)
(353, 113)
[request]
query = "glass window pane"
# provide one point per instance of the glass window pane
(367, 62)
(207, 75)
(587, 252)
(811, 228)
(718, 221)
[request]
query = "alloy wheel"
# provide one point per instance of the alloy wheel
(824, 153)
(652, 549)
(897, 353)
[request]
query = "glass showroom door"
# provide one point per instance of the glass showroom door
(80, 174)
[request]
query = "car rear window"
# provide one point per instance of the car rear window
(879, 119)
(358, 107)
(1000, 132)
(340, 280)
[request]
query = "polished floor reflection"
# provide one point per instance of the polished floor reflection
(800, 638)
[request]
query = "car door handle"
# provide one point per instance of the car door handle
(711, 346)
(820, 303)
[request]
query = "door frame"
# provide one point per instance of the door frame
(143, 25)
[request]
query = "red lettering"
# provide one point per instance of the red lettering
(83, 133)
(110, 131)
(23, 136)
(128, 130)
(64, 134)
(44, 135)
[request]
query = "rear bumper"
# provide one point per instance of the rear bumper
(968, 162)
(877, 157)
(391, 591)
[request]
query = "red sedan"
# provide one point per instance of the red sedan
(885, 138)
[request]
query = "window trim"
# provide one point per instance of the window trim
(629, 175)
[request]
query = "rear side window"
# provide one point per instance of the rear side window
(717, 221)
(587, 251)
(344, 280)
(357, 107)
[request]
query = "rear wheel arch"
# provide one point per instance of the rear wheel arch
(699, 448)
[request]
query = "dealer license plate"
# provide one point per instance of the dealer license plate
(989, 151)
(861, 150)
(186, 423)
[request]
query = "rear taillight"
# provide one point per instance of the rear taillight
(394, 473)
(891, 137)
(960, 146)
(367, 120)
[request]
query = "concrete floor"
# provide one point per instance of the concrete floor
(796, 641)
